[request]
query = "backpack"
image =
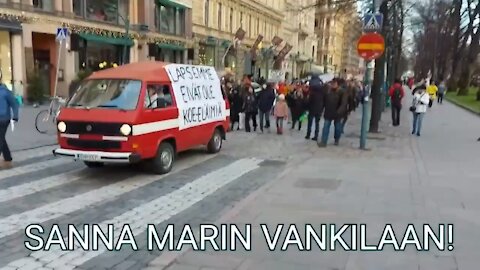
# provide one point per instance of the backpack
(397, 94)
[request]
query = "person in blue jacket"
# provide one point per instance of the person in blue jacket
(8, 112)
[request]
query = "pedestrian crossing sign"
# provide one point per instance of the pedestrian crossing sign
(62, 33)
(372, 22)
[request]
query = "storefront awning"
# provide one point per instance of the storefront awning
(107, 40)
(11, 26)
(176, 3)
(170, 46)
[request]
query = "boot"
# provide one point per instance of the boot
(5, 165)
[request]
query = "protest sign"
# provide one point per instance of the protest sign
(198, 94)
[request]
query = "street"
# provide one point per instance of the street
(257, 179)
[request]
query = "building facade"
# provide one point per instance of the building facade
(338, 31)
(215, 23)
(98, 38)
(299, 30)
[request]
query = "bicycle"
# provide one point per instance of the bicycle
(45, 122)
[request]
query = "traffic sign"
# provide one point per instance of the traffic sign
(372, 22)
(371, 46)
(62, 33)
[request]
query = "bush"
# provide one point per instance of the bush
(35, 90)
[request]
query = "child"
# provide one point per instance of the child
(281, 113)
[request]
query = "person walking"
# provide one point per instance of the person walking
(442, 90)
(298, 107)
(396, 94)
(8, 112)
(281, 113)
(432, 90)
(236, 104)
(266, 98)
(350, 91)
(335, 110)
(250, 109)
(421, 100)
(315, 106)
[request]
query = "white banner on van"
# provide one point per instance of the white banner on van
(198, 94)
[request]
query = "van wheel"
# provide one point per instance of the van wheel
(163, 162)
(90, 164)
(215, 143)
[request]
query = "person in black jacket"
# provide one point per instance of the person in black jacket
(236, 104)
(266, 98)
(336, 101)
(315, 106)
(298, 107)
(250, 108)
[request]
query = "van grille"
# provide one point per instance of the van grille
(87, 144)
(105, 129)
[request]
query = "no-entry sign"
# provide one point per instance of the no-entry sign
(371, 46)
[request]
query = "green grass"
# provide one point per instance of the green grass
(468, 102)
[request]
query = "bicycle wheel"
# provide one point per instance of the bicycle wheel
(45, 123)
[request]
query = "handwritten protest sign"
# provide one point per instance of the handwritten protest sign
(198, 94)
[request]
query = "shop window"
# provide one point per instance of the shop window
(169, 19)
(45, 5)
(158, 97)
(110, 11)
(206, 55)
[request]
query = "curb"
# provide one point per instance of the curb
(34, 147)
(460, 105)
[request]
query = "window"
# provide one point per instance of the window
(327, 40)
(206, 9)
(316, 23)
(231, 20)
(250, 25)
(241, 19)
(169, 19)
(258, 26)
(158, 97)
(313, 51)
(328, 23)
(45, 5)
(325, 59)
(107, 94)
(219, 16)
(206, 54)
(101, 10)
(265, 29)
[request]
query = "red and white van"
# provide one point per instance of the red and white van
(146, 111)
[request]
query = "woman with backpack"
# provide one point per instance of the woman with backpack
(396, 94)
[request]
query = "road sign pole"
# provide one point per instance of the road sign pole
(60, 46)
(366, 93)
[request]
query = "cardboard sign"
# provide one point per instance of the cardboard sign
(198, 94)
(276, 76)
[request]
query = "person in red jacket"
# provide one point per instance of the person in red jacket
(396, 94)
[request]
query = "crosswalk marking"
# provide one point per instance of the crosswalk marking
(33, 167)
(14, 223)
(33, 153)
(39, 185)
(153, 212)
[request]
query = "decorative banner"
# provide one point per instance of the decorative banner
(253, 51)
(240, 34)
(198, 94)
(276, 41)
(286, 49)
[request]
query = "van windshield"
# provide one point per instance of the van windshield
(111, 93)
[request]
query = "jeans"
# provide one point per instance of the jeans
(250, 116)
(266, 116)
(417, 123)
(396, 115)
(326, 130)
(312, 117)
(440, 98)
(4, 150)
(344, 122)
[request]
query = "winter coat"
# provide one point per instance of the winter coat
(351, 99)
(250, 104)
(316, 96)
(266, 98)
(281, 109)
(8, 105)
(335, 104)
(396, 101)
(299, 106)
(236, 104)
(420, 101)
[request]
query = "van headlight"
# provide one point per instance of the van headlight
(126, 129)
(62, 127)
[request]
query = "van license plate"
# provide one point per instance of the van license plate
(88, 157)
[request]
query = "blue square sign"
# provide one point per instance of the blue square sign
(62, 33)
(373, 22)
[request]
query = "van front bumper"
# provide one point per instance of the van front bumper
(98, 156)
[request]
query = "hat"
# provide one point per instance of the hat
(281, 97)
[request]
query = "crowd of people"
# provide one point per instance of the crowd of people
(297, 102)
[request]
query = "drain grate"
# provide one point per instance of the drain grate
(319, 183)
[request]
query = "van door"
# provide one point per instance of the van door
(160, 115)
